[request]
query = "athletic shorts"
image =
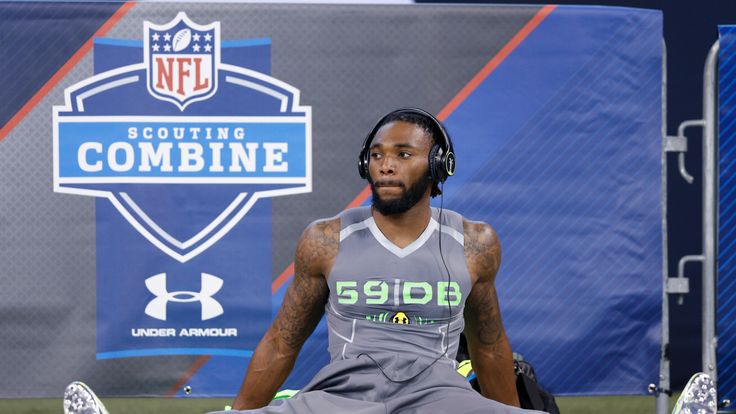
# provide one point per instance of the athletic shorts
(358, 386)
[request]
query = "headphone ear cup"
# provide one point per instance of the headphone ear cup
(363, 164)
(436, 164)
(364, 157)
(448, 164)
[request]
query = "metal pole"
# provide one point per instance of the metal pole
(662, 402)
(710, 213)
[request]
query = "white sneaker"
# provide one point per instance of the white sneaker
(80, 399)
(698, 397)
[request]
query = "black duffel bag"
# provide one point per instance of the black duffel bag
(531, 394)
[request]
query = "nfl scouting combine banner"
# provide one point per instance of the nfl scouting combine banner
(182, 145)
(159, 161)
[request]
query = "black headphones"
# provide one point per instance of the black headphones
(441, 156)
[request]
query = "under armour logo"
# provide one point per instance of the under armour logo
(211, 308)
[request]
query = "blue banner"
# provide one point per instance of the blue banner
(179, 148)
(160, 161)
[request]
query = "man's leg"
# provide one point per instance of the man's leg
(442, 390)
(316, 402)
(353, 386)
(451, 400)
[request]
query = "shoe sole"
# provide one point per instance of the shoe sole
(80, 399)
(698, 396)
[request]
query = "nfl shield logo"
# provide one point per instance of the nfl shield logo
(186, 177)
(181, 60)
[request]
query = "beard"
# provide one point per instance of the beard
(408, 199)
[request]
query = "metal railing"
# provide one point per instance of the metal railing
(679, 285)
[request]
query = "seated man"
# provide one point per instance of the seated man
(399, 282)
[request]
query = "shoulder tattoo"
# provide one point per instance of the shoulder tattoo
(482, 249)
(317, 248)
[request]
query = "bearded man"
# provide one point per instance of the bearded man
(399, 281)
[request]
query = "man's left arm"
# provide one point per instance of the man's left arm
(488, 345)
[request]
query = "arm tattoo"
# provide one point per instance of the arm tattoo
(306, 296)
(484, 316)
(483, 255)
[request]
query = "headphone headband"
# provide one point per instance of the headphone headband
(441, 156)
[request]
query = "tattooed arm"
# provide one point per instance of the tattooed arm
(489, 348)
(300, 313)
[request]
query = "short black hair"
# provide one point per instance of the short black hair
(429, 126)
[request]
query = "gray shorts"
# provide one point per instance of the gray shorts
(357, 386)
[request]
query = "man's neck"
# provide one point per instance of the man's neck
(402, 229)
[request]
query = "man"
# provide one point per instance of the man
(396, 294)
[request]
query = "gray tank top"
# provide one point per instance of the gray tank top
(393, 303)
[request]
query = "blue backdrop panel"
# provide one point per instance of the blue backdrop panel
(726, 307)
(559, 149)
(153, 198)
